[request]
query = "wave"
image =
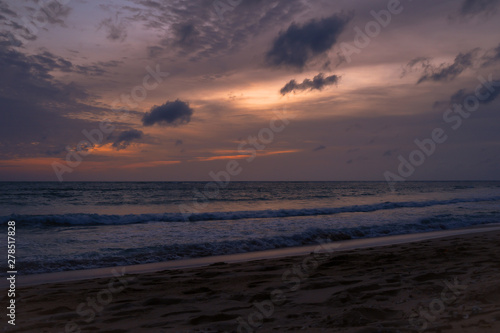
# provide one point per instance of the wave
(190, 216)
(106, 257)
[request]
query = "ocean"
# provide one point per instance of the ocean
(81, 225)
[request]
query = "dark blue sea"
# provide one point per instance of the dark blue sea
(80, 225)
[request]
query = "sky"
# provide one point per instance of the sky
(150, 90)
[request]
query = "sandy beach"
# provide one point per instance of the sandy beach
(441, 285)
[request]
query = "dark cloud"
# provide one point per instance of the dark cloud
(25, 26)
(491, 57)
(318, 148)
(186, 35)
(29, 76)
(178, 142)
(317, 83)
(8, 39)
(443, 72)
(491, 94)
(418, 63)
(116, 29)
(52, 62)
(19, 33)
(125, 138)
(47, 62)
(28, 129)
(39, 114)
(149, 3)
(300, 43)
(110, 63)
(53, 12)
(458, 97)
(169, 114)
(4, 9)
(448, 72)
(389, 153)
(476, 7)
(154, 51)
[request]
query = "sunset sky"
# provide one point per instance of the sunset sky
(173, 90)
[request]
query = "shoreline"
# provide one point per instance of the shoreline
(338, 246)
(441, 284)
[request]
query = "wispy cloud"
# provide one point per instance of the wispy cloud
(476, 7)
(242, 156)
(150, 164)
